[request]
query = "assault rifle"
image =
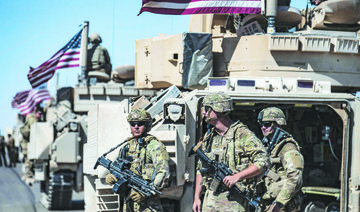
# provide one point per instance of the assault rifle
(126, 179)
(218, 171)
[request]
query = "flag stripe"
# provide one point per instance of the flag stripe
(32, 94)
(70, 59)
(187, 7)
(19, 98)
(44, 76)
(34, 72)
(203, 11)
(35, 96)
(66, 57)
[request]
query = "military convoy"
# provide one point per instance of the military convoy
(306, 63)
(56, 146)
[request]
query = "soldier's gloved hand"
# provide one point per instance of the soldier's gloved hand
(110, 179)
(137, 197)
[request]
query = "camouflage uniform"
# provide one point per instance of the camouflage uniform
(12, 151)
(148, 156)
(238, 148)
(25, 131)
(98, 56)
(2, 150)
(283, 181)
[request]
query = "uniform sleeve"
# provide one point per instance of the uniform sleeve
(160, 158)
(293, 163)
(107, 56)
(250, 146)
(199, 164)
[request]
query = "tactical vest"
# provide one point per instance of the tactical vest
(97, 59)
(137, 154)
(273, 178)
(222, 149)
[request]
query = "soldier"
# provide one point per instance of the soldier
(148, 155)
(25, 132)
(235, 145)
(2, 151)
(12, 151)
(283, 180)
(98, 58)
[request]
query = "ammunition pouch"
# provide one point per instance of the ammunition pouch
(214, 185)
(174, 193)
(272, 175)
(148, 171)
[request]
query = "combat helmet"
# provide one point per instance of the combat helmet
(219, 102)
(140, 114)
(95, 38)
(272, 114)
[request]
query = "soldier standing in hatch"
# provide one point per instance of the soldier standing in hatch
(98, 58)
(235, 145)
(283, 181)
(148, 155)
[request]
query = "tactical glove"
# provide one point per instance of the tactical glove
(137, 197)
(110, 179)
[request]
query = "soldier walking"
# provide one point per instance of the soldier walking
(283, 181)
(148, 156)
(233, 144)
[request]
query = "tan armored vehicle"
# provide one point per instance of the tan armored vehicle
(304, 62)
(56, 146)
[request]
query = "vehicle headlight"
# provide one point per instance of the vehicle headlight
(73, 126)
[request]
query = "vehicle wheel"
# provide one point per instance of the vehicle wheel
(57, 191)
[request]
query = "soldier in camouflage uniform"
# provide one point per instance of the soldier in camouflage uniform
(283, 181)
(148, 155)
(98, 58)
(235, 145)
(28, 166)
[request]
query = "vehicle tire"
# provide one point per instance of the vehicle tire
(56, 193)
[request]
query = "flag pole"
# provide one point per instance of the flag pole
(83, 50)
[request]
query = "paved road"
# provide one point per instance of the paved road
(16, 196)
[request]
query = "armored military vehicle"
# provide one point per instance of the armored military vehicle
(56, 146)
(304, 62)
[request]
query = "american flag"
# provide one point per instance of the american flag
(26, 101)
(189, 7)
(19, 98)
(66, 57)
